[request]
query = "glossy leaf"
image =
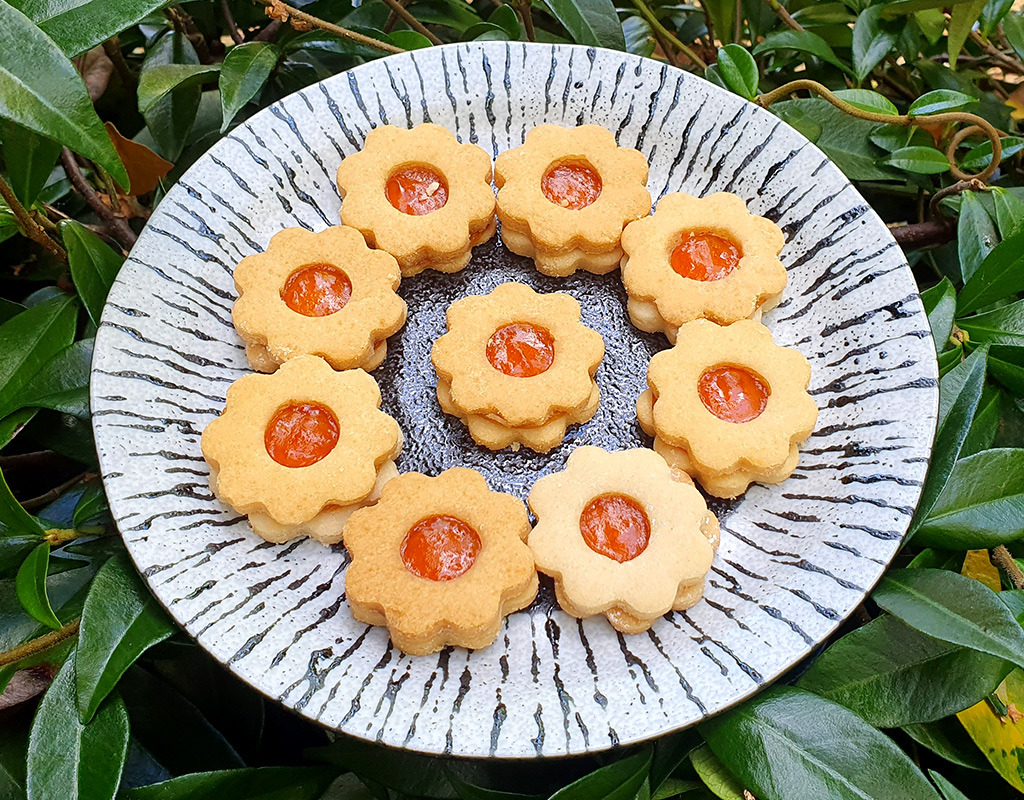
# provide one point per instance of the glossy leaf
(13, 516)
(63, 382)
(31, 585)
(940, 306)
(590, 22)
(955, 609)
(867, 100)
(617, 781)
(639, 36)
(739, 70)
(804, 41)
(94, 266)
(788, 743)
(156, 83)
(992, 15)
(409, 40)
(976, 234)
(1000, 275)
(69, 760)
(961, 20)
(946, 789)
(29, 159)
(269, 783)
(91, 503)
(1013, 29)
(917, 159)
(948, 739)
(78, 25)
(873, 38)
(980, 156)
(1000, 740)
(939, 101)
(1003, 325)
(982, 433)
(170, 119)
(505, 18)
(714, 775)
(1009, 210)
(244, 72)
(13, 424)
(1006, 365)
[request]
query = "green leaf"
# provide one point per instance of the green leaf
(41, 91)
(866, 100)
(994, 12)
(79, 25)
(91, 504)
(69, 760)
(961, 21)
(939, 101)
(15, 518)
(245, 70)
(953, 608)
(120, 621)
(976, 234)
(29, 158)
(714, 775)
(1009, 209)
(796, 117)
(948, 790)
(31, 339)
(919, 160)
(157, 82)
(639, 35)
(982, 505)
(985, 425)
(948, 739)
(904, 7)
(804, 41)
(1000, 275)
(62, 384)
(468, 791)
(261, 783)
(1013, 28)
(892, 675)
(739, 70)
(590, 22)
(485, 32)
(94, 266)
(1006, 365)
(13, 424)
(504, 17)
(940, 306)
(617, 781)
(788, 743)
(410, 40)
(170, 119)
(873, 38)
(1003, 325)
(31, 586)
(723, 17)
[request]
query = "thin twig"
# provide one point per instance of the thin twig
(410, 20)
(236, 33)
(666, 48)
(526, 16)
(655, 23)
(934, 205)
(1005, 559)
(924, 234)
(44, 642)
(269, 32)
(737, 31)
(308, 19)
(184, 24)
(121, 230)
(29, 226)
(112, 47)
(784, 15)
(48, 497)
(1005, 61)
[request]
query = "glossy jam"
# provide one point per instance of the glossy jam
(300, 434)
(733, 393)
(615, 526)
(521, 350)
(705, 257)
(572, 186)
(416, 190)
(440, 548)
(317, 290)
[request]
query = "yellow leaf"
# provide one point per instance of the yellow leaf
(1018, 109)
(977, 565)
(1001, 739)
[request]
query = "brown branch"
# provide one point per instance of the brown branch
(29, 226)
(924, 234)
(1005, 559)
(784, 15)
(1002, 59)
(112, 47)
(118, 227)
(525, 13)
(284, 12)
(44, 642)
(656, 25)
(184, 24)
(269, 32)
(48, 497)
(410, 20)
(236, 33)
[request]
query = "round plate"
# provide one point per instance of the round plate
(795, 559)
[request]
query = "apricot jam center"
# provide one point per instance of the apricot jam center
(317, 290)
(300, 434)
(705, 257)
(572, 186)
(416, 190)
(521, 350)
(440, 548)
(733, 394)
(615, 526)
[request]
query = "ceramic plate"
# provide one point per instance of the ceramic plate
(795, 559)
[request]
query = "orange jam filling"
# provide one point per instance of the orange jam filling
(705, 257)
(615, 526)
(300, 434)
(733, 394)
(416, 190)
(521, 350)
(317, 290)
(440, 548)
(572, 186)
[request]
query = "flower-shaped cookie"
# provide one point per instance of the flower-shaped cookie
(622, 535)
(566, 194)
(728, 405)
(297, 451)
(439, 561)
(326, 294)
(518, 366)
(700, 258)
(419, 195)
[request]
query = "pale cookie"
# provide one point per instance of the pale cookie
(700, 258)
(565, 195)
(518, 366)
(439, 561)
(419, 195)
(325, 294)
(728, 405)
(298, 450)
(622, 535)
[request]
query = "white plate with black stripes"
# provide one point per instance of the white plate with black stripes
(795, 559)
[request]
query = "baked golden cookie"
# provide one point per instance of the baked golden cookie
(700, 258)
(299, 450)
(439, 561)
(326, 294)
(419, 195)
(622, 535)
(728, 405)
(518, 367)
(566, 194)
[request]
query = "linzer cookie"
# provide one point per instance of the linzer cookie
(700, 258)
(622, 535)
(325, 294)
(419, 195)
(518, 367)
(299, 450)
(439, 561)
(728, 405)
(566, 194)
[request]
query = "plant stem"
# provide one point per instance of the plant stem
(38, 502)
(526, 15)
(58, 536)
(784, 15)
(924, 234)
(29, 226)
(1005, 559)
(1004, 61)
(112, 47)
(269, 32)
(44, 642)
(286, 11)
(236, 34)
(653, 21)
(410, 20)
(119, 228)
(183, 23)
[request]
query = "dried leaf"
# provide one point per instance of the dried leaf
(145, 168)
(95, 68)
(978, 565)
